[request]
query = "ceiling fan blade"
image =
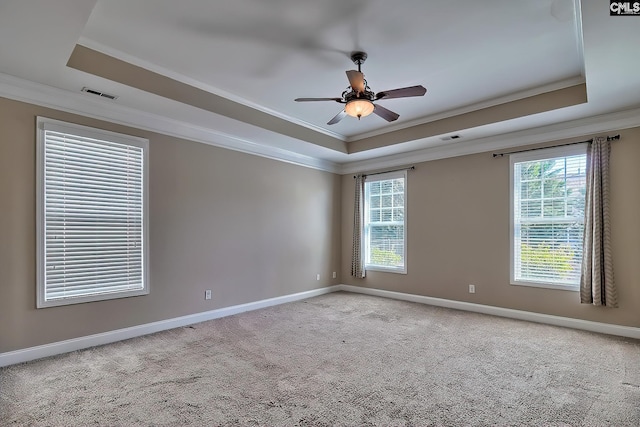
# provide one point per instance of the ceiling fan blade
(317, 99)
(388, 115)
(341, 115)
(356, 80)
(404, 92)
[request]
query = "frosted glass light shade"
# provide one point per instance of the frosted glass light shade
(359, 108)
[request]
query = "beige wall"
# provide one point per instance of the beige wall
(458, 234)
(247, 227)
(251, 228)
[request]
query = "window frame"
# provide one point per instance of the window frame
(43, 124)
(542, 154)
(374, 267)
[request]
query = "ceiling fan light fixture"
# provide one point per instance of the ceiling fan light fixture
(359, 108)
(359, 97)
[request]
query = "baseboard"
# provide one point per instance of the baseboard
(567, 322)
(46, 350)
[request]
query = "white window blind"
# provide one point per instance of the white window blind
(92, 215)
(384, 228)
(548, 216)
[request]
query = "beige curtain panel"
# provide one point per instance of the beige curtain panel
(357, 263)
(597, 286)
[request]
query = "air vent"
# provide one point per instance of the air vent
(450, 137)
(98, 93)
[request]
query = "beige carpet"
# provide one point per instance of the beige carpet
(338, 359)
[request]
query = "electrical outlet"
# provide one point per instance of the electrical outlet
(472, 289)
(318, 276)
(334, 275)
(207, 294)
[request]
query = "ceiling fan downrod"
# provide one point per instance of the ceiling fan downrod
(358, 58)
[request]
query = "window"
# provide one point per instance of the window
(384, 222)
(548, 203)
(92, 214)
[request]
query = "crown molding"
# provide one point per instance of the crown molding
(91, 44)
(562, 84)
(115, 53)
(571, 129)
(18, 89)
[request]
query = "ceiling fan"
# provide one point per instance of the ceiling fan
(358, 98)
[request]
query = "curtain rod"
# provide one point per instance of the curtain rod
(609, 138)
(394, 170)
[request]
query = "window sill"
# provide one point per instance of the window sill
(92, 298)
(385, 269)
(557, 287)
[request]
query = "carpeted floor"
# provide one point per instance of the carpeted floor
(338, 359)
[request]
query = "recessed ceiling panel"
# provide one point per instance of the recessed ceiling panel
(267, 54)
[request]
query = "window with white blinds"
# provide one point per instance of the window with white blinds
(92, 222)
(384, 222)
(548, 204)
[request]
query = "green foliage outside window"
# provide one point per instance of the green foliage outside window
(382, 257)
(544, 258)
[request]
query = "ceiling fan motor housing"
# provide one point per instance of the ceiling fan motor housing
(358, 58)
(359, 97)
(353, 95)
